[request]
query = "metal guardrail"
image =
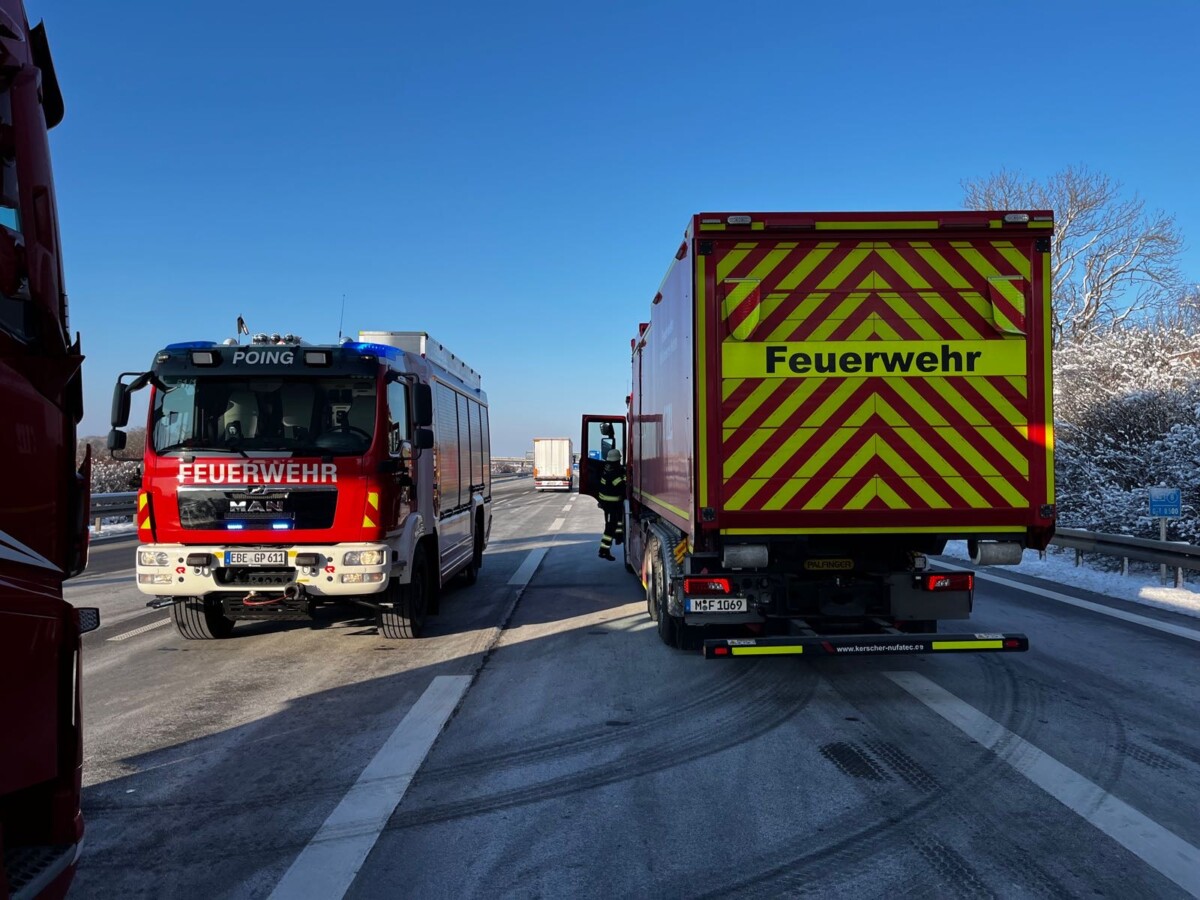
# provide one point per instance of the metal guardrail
(111, 505)
(1169, 554)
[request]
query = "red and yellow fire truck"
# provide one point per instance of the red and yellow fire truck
(43, 520)
(279, 476)
(820, 401)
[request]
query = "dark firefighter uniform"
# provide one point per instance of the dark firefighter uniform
(612, 500)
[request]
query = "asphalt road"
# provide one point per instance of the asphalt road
(582, 758)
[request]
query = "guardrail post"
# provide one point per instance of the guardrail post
(1124, 565)
(1178, 577)
(1078, 556)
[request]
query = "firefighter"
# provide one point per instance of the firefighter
(612, 500)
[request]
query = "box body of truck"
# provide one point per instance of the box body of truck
(553, 460)
(821, 399)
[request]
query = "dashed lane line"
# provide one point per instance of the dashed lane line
(1155, 845)
(329, 863)
(525, 571)
(159, 623)
(557, 524)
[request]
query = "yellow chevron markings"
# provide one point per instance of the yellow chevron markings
(997, 401)
(729, 385)
(778, 419)
(738, 458)
(843, 269)
(760, 395)
(864, 496)
(787, 409)
(1014, 257)
(800, 437)
(1018, 382)
(850, 467)
(813, 464)
(732, 259)
(904, 469)
(805, 267)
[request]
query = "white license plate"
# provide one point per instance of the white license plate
(256, 557)
(715, 604)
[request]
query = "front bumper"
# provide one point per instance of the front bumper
(180, 570)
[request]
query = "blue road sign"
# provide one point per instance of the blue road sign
(1166, 503)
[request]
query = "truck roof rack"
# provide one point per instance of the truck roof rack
(420, 343)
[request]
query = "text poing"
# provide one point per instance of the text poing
(257, 473)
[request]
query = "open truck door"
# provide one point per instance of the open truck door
(600, 434)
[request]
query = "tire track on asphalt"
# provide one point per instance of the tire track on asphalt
(739, 722)
(859, 844)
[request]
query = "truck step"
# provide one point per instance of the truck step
(866, 645)
(32, 869)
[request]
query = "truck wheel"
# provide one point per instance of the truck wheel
(652, 580)
(668, 625)
(410, 605)
(476, 563)
(200, 619)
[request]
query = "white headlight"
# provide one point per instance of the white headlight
(153, 558)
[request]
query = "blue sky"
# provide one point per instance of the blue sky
(515, 178)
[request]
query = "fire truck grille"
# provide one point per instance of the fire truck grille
(215, 508)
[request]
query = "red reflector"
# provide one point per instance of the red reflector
(720, 651)
(1011, 643)
(957, 581)
(698, 586)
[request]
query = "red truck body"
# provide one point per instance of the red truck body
(43, 521)
(279, 476)
(820, 399)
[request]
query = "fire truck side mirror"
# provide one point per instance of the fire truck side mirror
(120, 407)
(423, 439)
(422, 406)
(116, 440)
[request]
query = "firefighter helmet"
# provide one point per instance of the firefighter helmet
(614, 455)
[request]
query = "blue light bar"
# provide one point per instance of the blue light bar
(281, 526)
(234, 526)
(382, 350)
(192, 345)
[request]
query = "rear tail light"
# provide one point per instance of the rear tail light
(699, 587)
(947, 581)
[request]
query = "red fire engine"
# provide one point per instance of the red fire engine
(280, 476)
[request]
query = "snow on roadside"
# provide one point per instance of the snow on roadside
(1140, 587)
(116, 528)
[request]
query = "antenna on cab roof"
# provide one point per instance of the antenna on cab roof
(341, 319)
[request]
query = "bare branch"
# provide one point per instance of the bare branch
(1111, 263)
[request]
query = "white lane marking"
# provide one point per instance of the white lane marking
(156, 624)
(567, 508)
(328, 865)
(557, 524)
(1190, 634)
(525, 571)
(1157, 846)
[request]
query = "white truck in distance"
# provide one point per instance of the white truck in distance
(552, 464)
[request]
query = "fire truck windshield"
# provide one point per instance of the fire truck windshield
(331, 416)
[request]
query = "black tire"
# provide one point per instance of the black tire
(410, 604)
(653, 576)
(198, 619)
(472, 570)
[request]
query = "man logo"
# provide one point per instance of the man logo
(255, 506)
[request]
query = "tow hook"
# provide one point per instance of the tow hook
(290, 593)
